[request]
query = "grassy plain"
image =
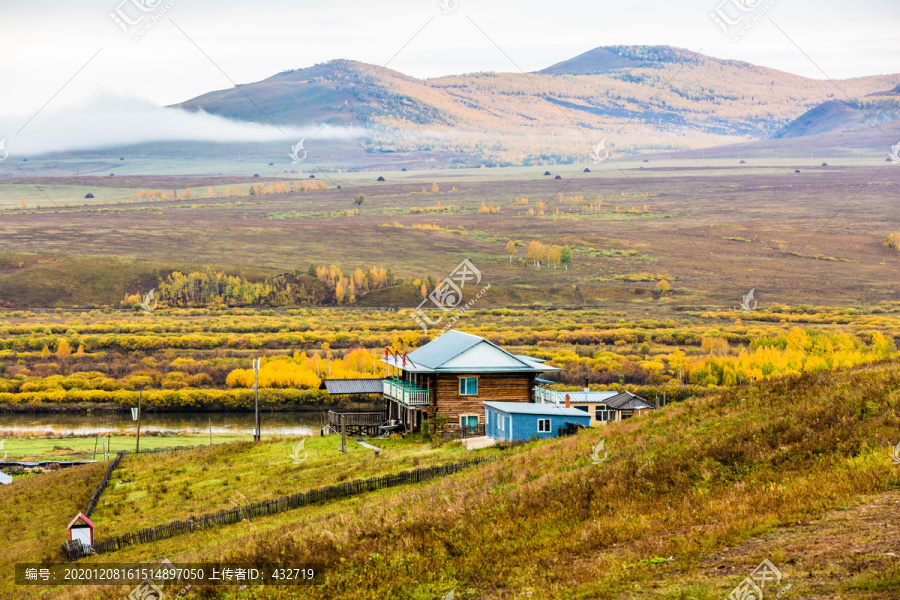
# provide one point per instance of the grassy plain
(710, 482)
(830, 220)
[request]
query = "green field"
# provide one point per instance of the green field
(82, 448)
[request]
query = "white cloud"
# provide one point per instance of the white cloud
(115, 121)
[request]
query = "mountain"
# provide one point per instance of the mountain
(844, 115)
(642, 98)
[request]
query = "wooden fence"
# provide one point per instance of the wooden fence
(456, 431)
(357, 422)
(95, 497)
(268, 507)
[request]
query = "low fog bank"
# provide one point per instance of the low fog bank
(114, 122)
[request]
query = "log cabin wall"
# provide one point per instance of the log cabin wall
(444, 389)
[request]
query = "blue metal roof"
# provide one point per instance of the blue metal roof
(435, 354)
(528, 408)
(585, 396)
(438, 351)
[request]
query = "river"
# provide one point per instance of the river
(286, 423)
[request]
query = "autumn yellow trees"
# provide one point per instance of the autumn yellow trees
(799, 351)
(511, 249)
(230, 191)
(347, 289)
(306, 372)
(662, 287)
(538, 253)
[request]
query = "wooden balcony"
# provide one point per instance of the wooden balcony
(406, 393)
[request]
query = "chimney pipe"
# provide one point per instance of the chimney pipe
(586, 386)
(568, 405)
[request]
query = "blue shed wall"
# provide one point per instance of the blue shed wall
(525, 427)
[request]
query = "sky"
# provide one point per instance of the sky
(60, 56)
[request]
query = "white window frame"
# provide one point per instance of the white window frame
(461, 380)
(599, 410)
(500, 423)
(542, 422)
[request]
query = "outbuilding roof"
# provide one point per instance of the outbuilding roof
(459, 352)
(83, 518)
(338, 387)
(585, 397)
(528, 408)
(628, 401)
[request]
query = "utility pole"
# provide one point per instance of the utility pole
(137, 447)
(256, 435)
(344, 433)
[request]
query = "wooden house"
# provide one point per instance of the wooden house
(453, 376)
(509, 421)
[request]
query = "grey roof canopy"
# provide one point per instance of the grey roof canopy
(627, 401)
(458, 352)
(338, 387)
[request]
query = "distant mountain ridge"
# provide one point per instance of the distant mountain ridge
(642, 98)
(845, 115)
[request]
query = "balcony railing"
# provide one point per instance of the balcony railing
(544, 395)
(409, 394)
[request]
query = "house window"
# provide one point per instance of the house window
(601, 414)
(543, 425)
(468, 386)
(468, 421)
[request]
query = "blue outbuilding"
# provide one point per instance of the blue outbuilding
(507, 421)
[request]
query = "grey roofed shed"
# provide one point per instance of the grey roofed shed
(338, 387)
(628, 401)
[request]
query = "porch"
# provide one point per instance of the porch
(405, 392)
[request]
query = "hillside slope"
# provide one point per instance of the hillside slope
(846, 115)
(673, 491)
(668, 98)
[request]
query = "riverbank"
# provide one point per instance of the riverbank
(91, 447)
(111, 407)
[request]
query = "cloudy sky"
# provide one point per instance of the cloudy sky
(60, 55)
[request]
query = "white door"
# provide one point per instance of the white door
(82, 534)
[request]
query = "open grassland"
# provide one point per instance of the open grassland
(714, 233)
(702, 482)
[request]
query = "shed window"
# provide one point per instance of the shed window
(543, 425)
(500, 423)
(468, 386)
